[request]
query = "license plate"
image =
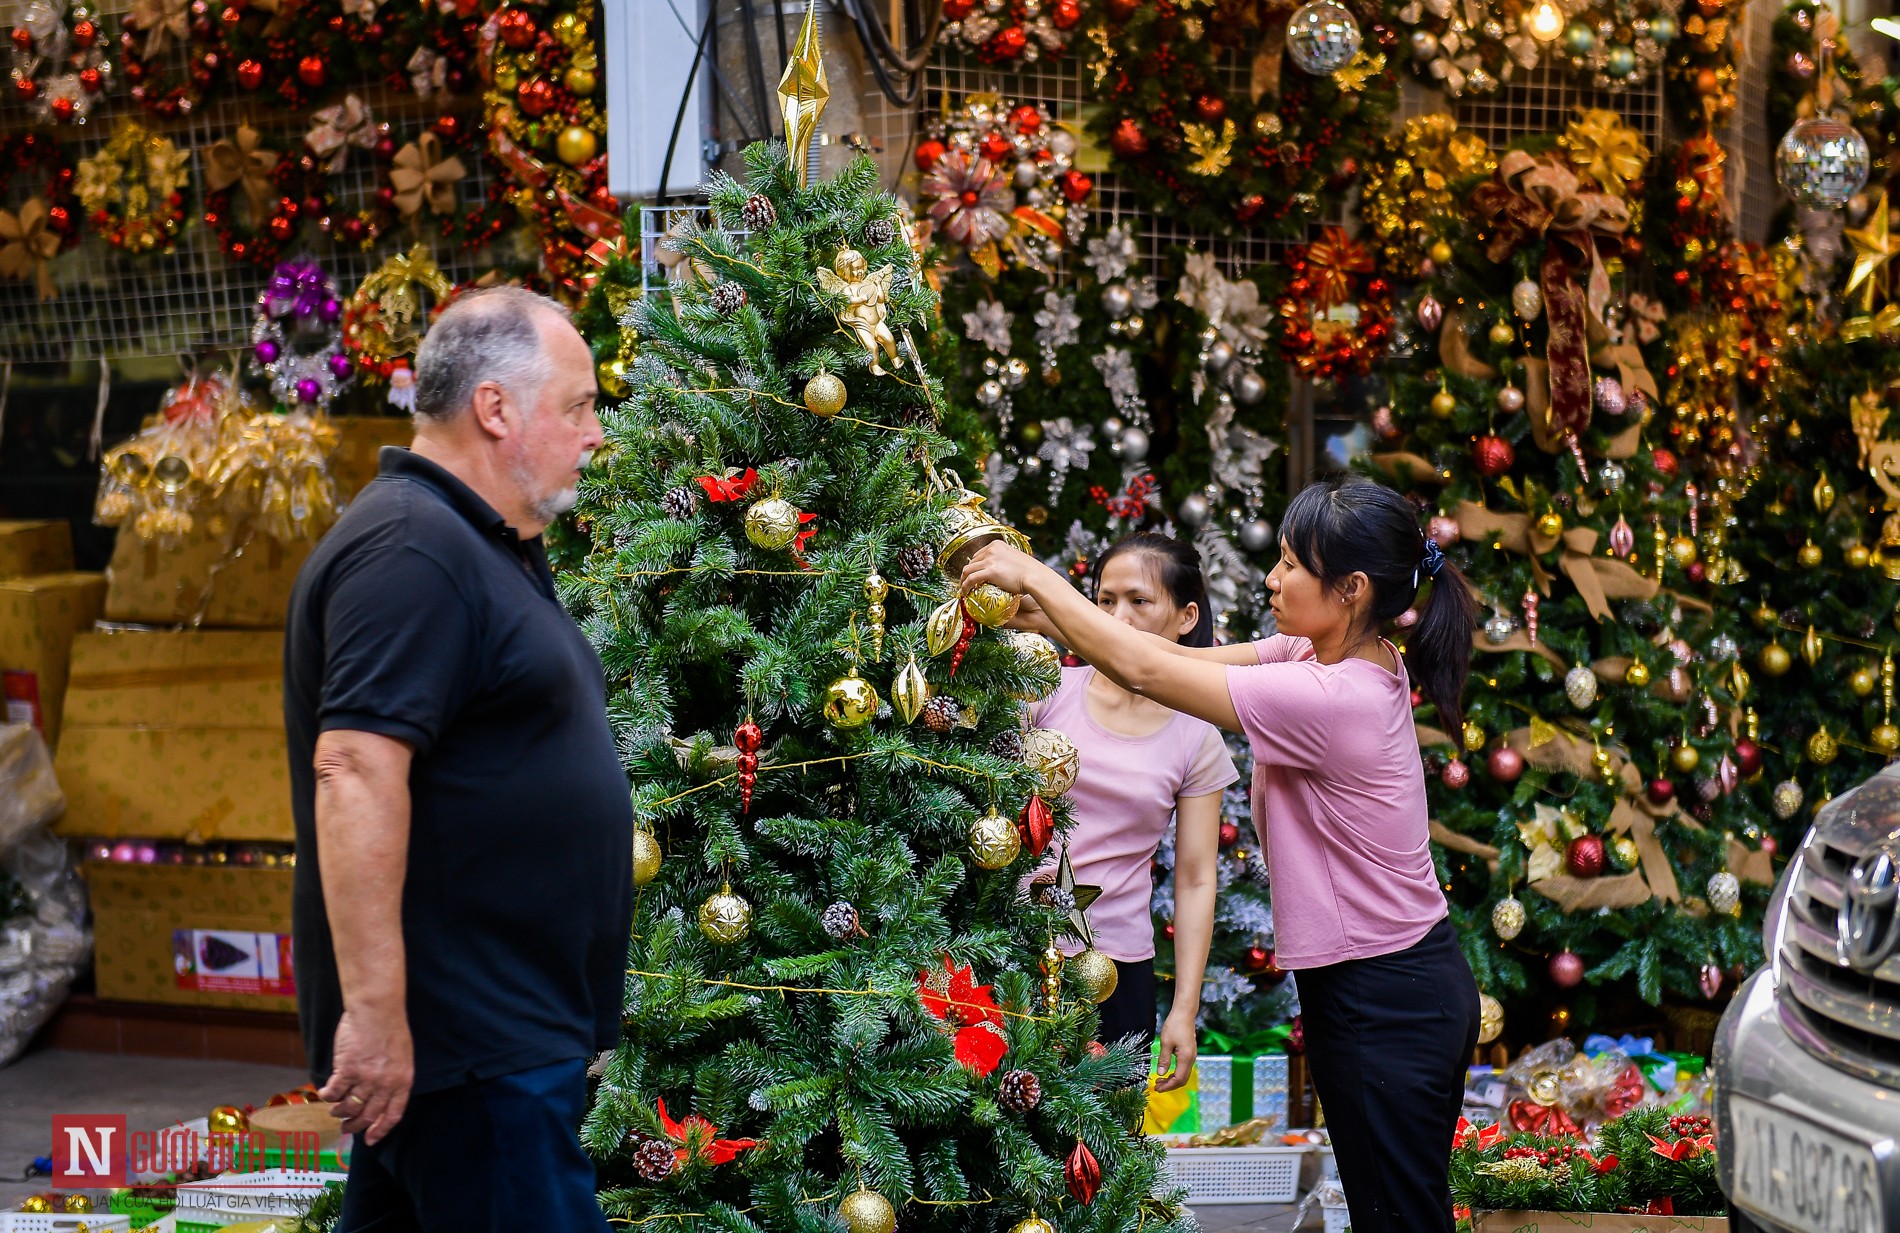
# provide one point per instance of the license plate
(1801, 1175)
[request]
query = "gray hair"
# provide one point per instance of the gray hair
(490, 334)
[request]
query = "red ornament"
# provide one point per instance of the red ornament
(1210, 107)
(1665, 463)
(1026, 118)
(1010, 43)
(997, 147)
(1768, 845)
(282, 226)
(1168, 930)
(1128, 140)
(312, 71)
(517, 29)
(536, 96)
(85, 33)
(1083, 1174)
(26, 89)
(1076, 187)
(1249, 209)
(1584, 859)
(1066, 14)
(1258, 957)
(1505, 764)
(1418, 699)
(250, 74)
(1456, 774)
(90, 80)
(1697, 571)
(1566, 969)
(928, 152)
(1492, 455)
(1229, 834)
(23, 38)
(1660, 791)
(63, 109)
(957, 10)
(1037, 825)
(1747, 757)
(749, 740)
(1122, 10)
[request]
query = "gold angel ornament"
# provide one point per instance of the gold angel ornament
(867, 298)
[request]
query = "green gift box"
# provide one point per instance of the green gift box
(1247, 1081)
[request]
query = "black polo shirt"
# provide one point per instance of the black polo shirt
(423, 616)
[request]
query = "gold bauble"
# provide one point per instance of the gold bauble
(1636, 675)
(1033, 651)
(1502, 333)
(507, 78)
(1812, 647)
(1775, 660)
(1440, 252)
(1095, 975)
(867, 1211)
(1823, 493)
(909, 691)
(850, 702)
(1625, 850)
(36, 1203)
(1054, 758)
(1885, 737)
(613, 376)
(1857, 556)
(1443, 404)
(568, 29)
(1682, 548)
(1507, 917)
(990, 606)
(1474, 737)
(227, 1120)
(1821, 747)
(994, 841)
(1685, 757)
(725, 918)
(1809, 556)
(825, 397)
(944, 627)
(1490, 1019)
(1863, 681)
(1550, 524)
(1765, 617)
(575, 145)
(580, 82)
(772, 523)
(77, 1204)
(646, 857)
(1035, 1224)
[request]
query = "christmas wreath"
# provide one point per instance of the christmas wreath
(59, 61)
(1000, 186)
(1413, 195)
(298, 51)
(171, 56)
(46, 223)
(418, 187)
(282, 191)
(133, 189)
(1477, 49)
(1011, 31)
(1263, 157)
(1336, 314)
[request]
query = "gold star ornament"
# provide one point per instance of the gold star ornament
(803, 93)
(1081, 896)
(1874, 247)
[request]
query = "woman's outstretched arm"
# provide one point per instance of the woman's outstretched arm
(1032, 618)
(1139, 662)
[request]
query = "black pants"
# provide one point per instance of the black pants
(1130, 1010)
(489, 1157)
(1388, 1040)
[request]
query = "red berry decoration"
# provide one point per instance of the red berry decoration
(1456, 774)
(1210, 107)
(312, 71)
(1066, 14)
(63, 109)
(1128, 140)
(517, 29)
(1229, 834)
(1566, 969)
(1747, 757)
(1665, 463)
(963, 641)
(1492, 455)
(23, 38)
(250, 74)
(1076, 187)
(928, 152)
(1584, 859)
(1026, 119)
(1660, 791)
(1505, 764)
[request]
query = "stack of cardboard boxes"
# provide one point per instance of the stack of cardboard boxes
(170, 747)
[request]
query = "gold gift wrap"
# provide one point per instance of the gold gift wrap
(39, 617)
(176, 735)
(149, 921)
(39, 547)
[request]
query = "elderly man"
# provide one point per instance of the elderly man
(464, 831)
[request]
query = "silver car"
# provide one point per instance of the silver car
(1807, 1058)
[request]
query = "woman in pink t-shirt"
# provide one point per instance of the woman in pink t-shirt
(1389, 1004)
(1143, 764)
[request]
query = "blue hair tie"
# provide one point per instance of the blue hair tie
(1434, 557)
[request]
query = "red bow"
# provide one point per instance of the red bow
(1626, 1093)
(729, 487)
(798, 543)
(698, 1137)
(1603, 1164)
(954, 996)
(1682, 1149)
(1470, 1134)
(1541, 1119)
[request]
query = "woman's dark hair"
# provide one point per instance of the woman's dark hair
(1342, 525)
(1179, 567)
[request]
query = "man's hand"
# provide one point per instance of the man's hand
(1179, 1049)
(373, 1068)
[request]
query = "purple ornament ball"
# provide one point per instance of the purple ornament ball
(340, 366)
(331, 309)
(308, 390)
(266, 351)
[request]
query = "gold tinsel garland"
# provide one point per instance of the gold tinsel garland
(1409, 201)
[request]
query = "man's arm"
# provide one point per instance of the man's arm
(363, 849)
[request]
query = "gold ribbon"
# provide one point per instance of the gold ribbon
(28, 246)
(1597, 579)
(1606, 149)
(162, 21)
(421, 174)
(1884, 323)
(244, 163)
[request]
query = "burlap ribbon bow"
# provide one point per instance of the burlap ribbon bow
(27, 245)
(162, 21)
(334, 129)
(1598, 579)
(421, 174)
(244, 163)
(1529, 200)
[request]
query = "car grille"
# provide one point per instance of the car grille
(1844, 1017)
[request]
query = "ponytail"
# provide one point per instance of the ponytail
(1342, 525)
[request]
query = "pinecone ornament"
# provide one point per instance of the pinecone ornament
(728, 298)
(680, 503)
(840, 920)
(941, 714)
(1020, 1091)
(760, 214)
(879, 232)
(915, 561)
(1008, 745)
(654, 1160)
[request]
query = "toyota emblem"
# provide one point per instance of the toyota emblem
(1869, 929)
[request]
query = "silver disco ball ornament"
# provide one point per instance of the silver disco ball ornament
(1322, 37)
(1821, 162)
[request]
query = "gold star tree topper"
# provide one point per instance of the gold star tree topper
(1874, 247)
(803, 93)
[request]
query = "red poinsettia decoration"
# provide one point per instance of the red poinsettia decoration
(695, 1136)
(1471, 1135)
(730, 486)
(953, 995)
(1686, 1148)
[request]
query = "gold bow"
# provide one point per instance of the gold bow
(1604, 148)
(162, 21)
(334, 129)
(244, 163)
(422, 174)
(28, 246)
(1883, 324)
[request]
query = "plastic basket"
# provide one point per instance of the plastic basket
(239, 1197)
(1265, 1173)
(64, 1222)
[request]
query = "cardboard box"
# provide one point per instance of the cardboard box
(1596, 1222)
(39, 618)
(39, 547)
(177, 735)
(192, 935)
(211, 582)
